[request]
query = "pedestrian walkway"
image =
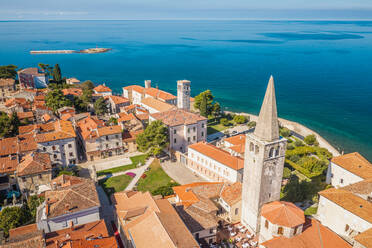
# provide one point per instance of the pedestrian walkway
(180, 173)
(139, 173)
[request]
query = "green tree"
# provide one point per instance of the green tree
(224, 122)
(285, 132)
(310, 139)
(199, 98)
(216, 111)
(5, 126)
(33, 202)
(298, 143)
(100, 106)
(112, 121)
(87, 85)
(286, 173)
(203, 106)
(55, 100)
(251, 124)
(46, 68)
(240, 119)
(165, 190)
(296, 190)
(12, 217)
(8, 71)
(14, 124)
(57, 75)
(79, 105)
(154, 138)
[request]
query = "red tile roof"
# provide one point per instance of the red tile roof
(314, 235)
(102, 88)
(34, 163)
(159, 94)
(8, 164)
(117, 99)
(72, 91)
(25, 237)
(157, 104)
(283, 213)
(355, 163)
(221, 156)
(365, 238)
(177, 117)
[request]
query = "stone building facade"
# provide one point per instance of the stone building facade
(7, 87)
(183, 94)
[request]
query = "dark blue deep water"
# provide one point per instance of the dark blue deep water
(322, 69)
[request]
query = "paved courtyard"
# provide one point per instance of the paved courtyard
(180, 173)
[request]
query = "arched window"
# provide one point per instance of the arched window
(277, 151)
(280, 230)
(257, 149)
(251, 147)
(271, 153)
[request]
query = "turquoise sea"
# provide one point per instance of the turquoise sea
(322, 69)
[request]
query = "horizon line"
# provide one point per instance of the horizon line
(200, 19)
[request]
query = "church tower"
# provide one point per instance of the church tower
(183, 94)
(263, 162)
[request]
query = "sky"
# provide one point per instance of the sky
(183, 9)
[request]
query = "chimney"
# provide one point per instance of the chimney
(47, 209)
(147, 84)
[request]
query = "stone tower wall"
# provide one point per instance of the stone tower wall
(183, 94)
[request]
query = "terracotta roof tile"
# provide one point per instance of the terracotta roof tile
(314, 235)
(8, 164)
(34, 163)
(137, 88)
(25, 237)
(9, 146)
(365, 238)
(223, 157)
(24, 115)
(93, 234)
(232, 193)
(159, 94)
(349, 201)
(125, 117)
(283, 213)
(102, 88)
(157, 104)
(177, 117)
(70, 199)
(72, 91)
(355, 163)
(117, 99)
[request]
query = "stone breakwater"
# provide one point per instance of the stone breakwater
(89, 50)
(299, 130)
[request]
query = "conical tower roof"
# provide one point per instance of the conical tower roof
(267, 127)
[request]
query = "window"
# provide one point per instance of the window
(269, 195)
(194, 129)
(295, 230)
(188, 139)
(117, 143)
(280, 230)
(341, 180)
(69, 145)
(54, 156)
(23, 179)
(257, 149)
(266, 224)
(44, 149)
(236, 211)
(211, 230)
(251, 147)
(175, 140)
(71, 154)
(193, 138)
(107, 137)
(277, 151)
(188, 130)
(40, 176)
(53, 148)
(174, 131)
(107, 146)
(202, 133)
(202, 125)
(116, 136)
(210, 241)
(347, 228)
(271, 153)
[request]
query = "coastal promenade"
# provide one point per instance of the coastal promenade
(300, 130)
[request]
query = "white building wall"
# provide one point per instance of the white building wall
(64, 151)
(137, 97)
(336, 218)
(339, 177)
(218, 168)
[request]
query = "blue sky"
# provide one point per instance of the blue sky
(185, 9)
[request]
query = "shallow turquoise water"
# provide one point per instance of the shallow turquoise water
(322, 69)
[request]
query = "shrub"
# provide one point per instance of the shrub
(299, 143)
(285, 132)
(289, 141)
(165, 190)
(240, 119)
(224, 122)
(286, 172)
(251, 124)
(290, 147)
(310, 139)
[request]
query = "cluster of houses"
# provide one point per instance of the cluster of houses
(238, 200)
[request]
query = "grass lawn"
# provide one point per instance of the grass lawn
(135, 160)
(155, 178)
(115, 184)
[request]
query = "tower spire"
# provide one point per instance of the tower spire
(267, 127)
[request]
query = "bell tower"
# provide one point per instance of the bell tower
(263, 162)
